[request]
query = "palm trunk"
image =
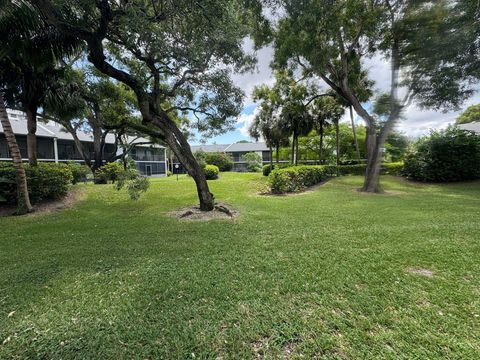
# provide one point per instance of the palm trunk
(277, 149)
(23, 201)
(357, 149)
(296, 150)
(271, 158)
(337, 136)
(292, 156)
(320, 155)
(32, 134)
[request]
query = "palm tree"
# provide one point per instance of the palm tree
(23, 201)
(30, 62)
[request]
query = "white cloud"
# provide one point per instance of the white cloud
(244, 121)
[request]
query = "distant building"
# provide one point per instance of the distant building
(473, 126)
(237, 151)
(55, 144)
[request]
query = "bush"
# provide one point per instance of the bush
(358, 169)
(79, 172)
(109, 172)
(211, 172)
(394, 168)
(253, 161)
(448, 155)
(46, 181)
(266, 169)
(296, 178)
(219, 159)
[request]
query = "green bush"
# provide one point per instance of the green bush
(448, 155)
(358, 169)
(219, 159)
(253, 161)
(79, 172)
(46, 181)
(266, 169)
(394, 168)
(296, 178)
(109, 172)
(211, 172)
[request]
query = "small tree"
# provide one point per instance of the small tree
(471, 114)
(253, 161)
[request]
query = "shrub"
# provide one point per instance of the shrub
(253, 161)
(79, 172)
(448, 155)
(135, 184)
(296, 178)
(46, 181)
(109, 172)
(219, 159)
(211, 172)
(358, 169)
(394, 168)
(266, 169)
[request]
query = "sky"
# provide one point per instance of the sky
(415, 122)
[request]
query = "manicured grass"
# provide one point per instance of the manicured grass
(319, 275)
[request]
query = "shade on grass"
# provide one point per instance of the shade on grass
(326, 273)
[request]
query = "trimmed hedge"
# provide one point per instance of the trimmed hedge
(211, 172)
(80, 172)
(46, 181)
(394, 168)
(297, 178)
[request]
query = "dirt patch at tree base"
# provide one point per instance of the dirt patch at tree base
(221, 211)
(43, 207)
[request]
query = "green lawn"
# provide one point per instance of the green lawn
(320, 275)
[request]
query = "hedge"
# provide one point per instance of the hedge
(448, 155)
(46, 181)
(297, 178)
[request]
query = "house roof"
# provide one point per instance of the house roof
(474, 126)
(52, 129)
(246, 147)
(209, 148)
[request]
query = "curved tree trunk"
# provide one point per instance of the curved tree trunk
(357, 149)
(23, 201)
(180, 147)
(32, 134)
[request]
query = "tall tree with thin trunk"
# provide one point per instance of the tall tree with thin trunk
(174, 55)
(23, 200)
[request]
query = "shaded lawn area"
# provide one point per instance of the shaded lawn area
(320, 274)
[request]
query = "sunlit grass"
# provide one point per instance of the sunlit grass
(322, 274)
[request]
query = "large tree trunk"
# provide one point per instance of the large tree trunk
(31, 111)
(23, 201)
(98, 141)
(357, 149)
(180, 147)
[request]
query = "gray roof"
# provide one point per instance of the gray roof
(246, 147)
(209, 148)
(52, 129)
(474, 126)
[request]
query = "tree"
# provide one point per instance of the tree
(29, 63)
(266, 123)
(330, 40)
(23, 200)
(327, 110)
(175, 57)
(471, 114)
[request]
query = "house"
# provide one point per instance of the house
(56, 144)
(473, 126)
(237, 151)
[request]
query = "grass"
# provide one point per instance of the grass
(319, 275)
